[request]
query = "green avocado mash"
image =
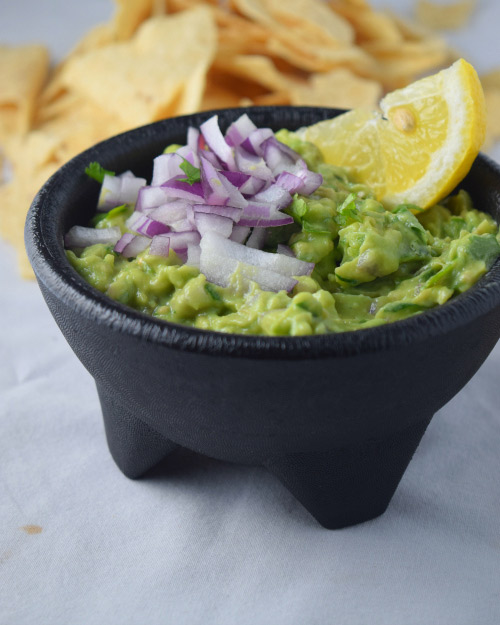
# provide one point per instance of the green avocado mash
(372, 265)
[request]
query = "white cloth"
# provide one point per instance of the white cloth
(209, 543)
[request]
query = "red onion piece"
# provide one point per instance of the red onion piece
(165, 167)
(142, 224)
(239, 233)
(285, 265)
(132, 244)
(160, 246)
(225, 211)
(253, 143)
(151, 197)
(214, 191)
(193, 255)
(183, 190)
(170, 212)
(206, 222)
(257, 238)
(118, 190)
(215, 140)
(239, 130)
(80, 236)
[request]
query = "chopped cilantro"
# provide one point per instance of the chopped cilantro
(192, 172)
(97, 172)
(212, 291)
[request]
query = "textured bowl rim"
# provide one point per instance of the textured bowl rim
(52, 269)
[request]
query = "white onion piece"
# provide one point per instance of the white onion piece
(132, 244)
(214, 243)
(130, 187)
(80, 236)
(257, 238)
(219, 269)
(205, 222)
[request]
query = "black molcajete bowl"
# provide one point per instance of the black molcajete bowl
(336, 418)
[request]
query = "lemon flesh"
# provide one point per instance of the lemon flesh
(421, 144)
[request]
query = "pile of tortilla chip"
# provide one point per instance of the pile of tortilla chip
(160, 58)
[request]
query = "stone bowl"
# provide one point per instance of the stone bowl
(337, 418)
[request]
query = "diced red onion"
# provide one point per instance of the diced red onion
(170, 212)
(191, 156)
(240, 233)
(142, 224)
(286, 265)
(206, 222)
(193, 137)
(215, 140)
(253, 143)
(284, 249)
(225, 211)
(235, 197)
(166, 166)
(214, 191)
(193, 255)
(290, 182)
(151, 197)
(160, 246)
(277, 196)
(257, 238)
(80, 236)
(118, 190)
(252, 164)
(132, 244)
(239, 130)
(218, 270)
(183, 190)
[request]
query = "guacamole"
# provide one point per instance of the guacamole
(371, 265)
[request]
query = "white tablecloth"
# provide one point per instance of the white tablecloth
(205, 542)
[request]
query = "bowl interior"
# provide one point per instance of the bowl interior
(70, 198)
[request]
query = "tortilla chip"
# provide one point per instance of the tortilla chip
(23, 71)
(445, 16)
(143, 80)
(339, 89)
(130, 14)
(257, 68)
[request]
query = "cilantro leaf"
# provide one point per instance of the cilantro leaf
(192, 172)
(97, 172)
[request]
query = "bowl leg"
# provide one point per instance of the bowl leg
(134, 445)
(346, 486)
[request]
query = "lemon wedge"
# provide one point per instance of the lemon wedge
(421, 144)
